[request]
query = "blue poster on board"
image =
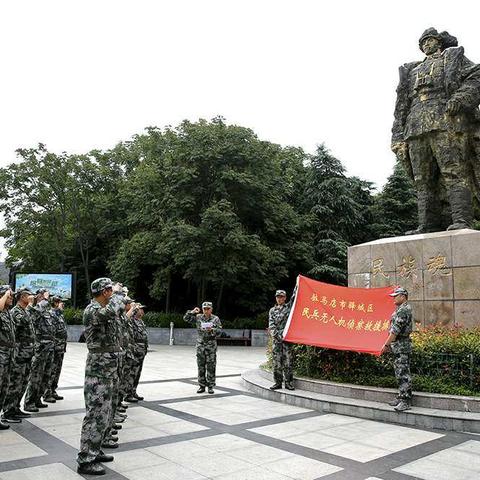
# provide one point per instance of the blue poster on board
(59, 284)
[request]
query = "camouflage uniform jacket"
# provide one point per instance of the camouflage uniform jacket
(42, 323)
(140, 334)
(204, 336)
(277, 318)
(101, 328)
(7, 330)
(24, 331)
(60, 329)
(402, 326)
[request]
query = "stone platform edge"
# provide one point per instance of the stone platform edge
(256, 381)
(384, 395)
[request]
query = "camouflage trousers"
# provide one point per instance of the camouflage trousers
(101, 374)
(136, 370)
(446, 154)
(401, 365)
(57, 364)
(117, 385)
(129, 365)
(207, 363)
(40, 374)
(19, 377)
(6, 363)
(282, 355)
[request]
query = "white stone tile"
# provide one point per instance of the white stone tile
(257, 473)
(53, 471)
(134, 459)
(138, 433)
(215, 464)
(312, 424)
(425, 469)
(10, 437)
(177, 428)
(460, 462)
(301, 468)
(259, 454)
(357, 451)
(20, 451)
(314, 440)
(223, 442)
(176, 452)
(165, 471)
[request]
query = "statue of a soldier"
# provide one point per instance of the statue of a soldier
(436, 132)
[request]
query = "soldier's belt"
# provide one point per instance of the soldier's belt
(7, 344)
(104, 350)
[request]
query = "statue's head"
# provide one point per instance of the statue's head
(431, 41)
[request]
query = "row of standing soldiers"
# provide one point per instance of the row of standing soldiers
(33, 339)
(117, 343)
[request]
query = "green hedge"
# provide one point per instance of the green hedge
(162, 320)
(73, 316)
(441, 363)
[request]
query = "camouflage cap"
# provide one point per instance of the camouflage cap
(207, 305)
(40, 291)
(24, 291)
(280, 293)
(101, 284)
(446, 40)
(56, 298)
(399, 291)
(4, 288)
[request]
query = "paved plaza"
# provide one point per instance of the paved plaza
(177, 434)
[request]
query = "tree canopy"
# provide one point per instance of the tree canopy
(205, 210)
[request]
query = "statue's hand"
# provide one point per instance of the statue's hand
(400, 149)
(453, 107)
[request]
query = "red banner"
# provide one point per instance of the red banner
(342, 318)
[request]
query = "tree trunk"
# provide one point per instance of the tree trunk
(167, 301)
(219, 297)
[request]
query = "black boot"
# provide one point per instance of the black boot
(4, 426)
(201, 390)
(91, 469)
(104, 458)
(276, 386)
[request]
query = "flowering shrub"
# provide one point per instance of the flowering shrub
(444, 360)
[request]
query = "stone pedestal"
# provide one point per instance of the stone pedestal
(441, 272)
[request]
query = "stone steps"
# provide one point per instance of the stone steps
(258, 382)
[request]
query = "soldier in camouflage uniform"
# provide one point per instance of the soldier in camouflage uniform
(7, 344)
(281, 351)
(25, 340)
(208, 327)
(60, 333)
(44, 349)
(129, 347)
(140, 338)
(400, 344)
(101, 372)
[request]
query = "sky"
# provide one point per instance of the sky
(79, 75)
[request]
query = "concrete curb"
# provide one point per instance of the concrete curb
(459, 421)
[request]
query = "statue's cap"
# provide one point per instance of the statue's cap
(444, 38)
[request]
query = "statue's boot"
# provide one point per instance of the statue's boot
(461, 205)
(417, 231)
